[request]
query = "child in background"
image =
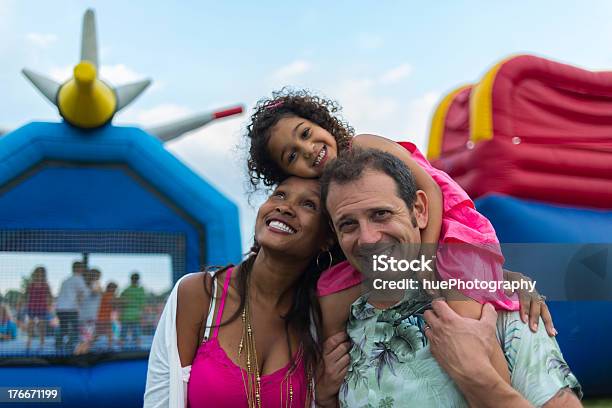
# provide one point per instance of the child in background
(8, 328)
(132, 302)
(104, 323)
(38, 300)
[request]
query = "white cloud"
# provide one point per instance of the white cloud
(418, 118)
(156, 115)
(41, 40)
(61, 74)
(118, 74)
(363, 106)
(369, 108)
(220, 137)
(396, 74)
(291, 71)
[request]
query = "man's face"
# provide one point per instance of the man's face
(370, 218)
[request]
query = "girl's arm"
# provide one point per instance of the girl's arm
(424, 181)
(335, 309)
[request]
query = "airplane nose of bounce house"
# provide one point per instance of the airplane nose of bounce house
(85, 101)
(531, 142)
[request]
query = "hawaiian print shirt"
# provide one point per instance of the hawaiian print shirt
(391, 365)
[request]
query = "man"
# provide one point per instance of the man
(69, 300)
(373, 202)
(132, 302)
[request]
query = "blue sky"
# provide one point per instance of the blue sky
(387, 62)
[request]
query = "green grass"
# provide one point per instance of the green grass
(598, 403)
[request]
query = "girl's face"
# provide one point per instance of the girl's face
(301, 147)
(290, 220)
(39, 275)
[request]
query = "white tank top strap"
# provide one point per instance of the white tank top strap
(211, 310)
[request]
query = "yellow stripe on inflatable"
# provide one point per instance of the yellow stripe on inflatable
(481, 105)
(436, 131)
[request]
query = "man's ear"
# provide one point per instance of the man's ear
(420, 210)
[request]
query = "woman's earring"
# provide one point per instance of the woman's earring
(331, 260)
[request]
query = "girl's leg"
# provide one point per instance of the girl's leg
(42, 331)
(30, 333)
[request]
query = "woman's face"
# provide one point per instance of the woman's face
(290, 220)
(301, 147)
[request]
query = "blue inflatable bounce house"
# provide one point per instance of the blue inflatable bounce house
(86, 186)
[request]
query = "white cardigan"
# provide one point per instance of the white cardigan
(166, 380)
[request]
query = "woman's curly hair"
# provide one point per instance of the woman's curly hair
(262, 169)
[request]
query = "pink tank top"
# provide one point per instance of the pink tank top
(216, 381)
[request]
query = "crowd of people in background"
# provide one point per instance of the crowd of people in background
(83, 315)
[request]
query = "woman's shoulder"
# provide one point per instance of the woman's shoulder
(195, 290)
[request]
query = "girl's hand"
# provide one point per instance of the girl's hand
(533, 305)
(334, 368)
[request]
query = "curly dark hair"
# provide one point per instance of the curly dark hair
(262, 169)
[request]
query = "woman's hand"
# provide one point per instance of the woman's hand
(532, 304)
(334, 368)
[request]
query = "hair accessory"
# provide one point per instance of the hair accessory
(275, 105)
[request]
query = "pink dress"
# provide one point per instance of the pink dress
(461, 224)
(216, 381)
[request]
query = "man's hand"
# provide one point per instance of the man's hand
(460, 344)
(532, 304)
(335, 366)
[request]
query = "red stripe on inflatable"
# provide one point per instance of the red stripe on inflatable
(228, 112)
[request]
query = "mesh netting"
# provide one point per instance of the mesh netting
(67, 293)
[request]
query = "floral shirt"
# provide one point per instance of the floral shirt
(391, 365)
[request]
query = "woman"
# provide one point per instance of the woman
(242, 336)
(38, 295)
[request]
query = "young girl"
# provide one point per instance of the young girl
(296, 133)
(39, 299)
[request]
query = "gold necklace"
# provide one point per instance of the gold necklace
(252, 382)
